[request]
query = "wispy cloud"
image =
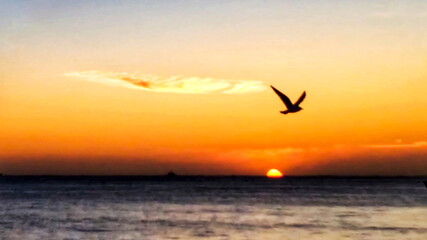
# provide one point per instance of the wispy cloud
(175, 84)
(323, 160)
(399, 145)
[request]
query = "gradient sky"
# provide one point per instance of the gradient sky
(144, 87)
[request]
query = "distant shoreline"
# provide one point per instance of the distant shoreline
(201, 176)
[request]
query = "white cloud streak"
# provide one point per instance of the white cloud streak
(409, 145)
(174, 84)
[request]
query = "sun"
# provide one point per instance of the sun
(274, 173)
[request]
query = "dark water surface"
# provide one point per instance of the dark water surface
(212, 208)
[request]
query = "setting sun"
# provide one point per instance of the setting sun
(274, 173)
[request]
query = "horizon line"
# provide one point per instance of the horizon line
(209, 176)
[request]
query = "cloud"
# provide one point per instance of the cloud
(326, 160)
(399, 145)
(374, 161)
(379, 160)
(174, 84)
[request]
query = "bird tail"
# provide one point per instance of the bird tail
(284, 112)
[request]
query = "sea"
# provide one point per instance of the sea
(198, 207)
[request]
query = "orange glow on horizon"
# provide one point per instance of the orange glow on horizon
(274, 173)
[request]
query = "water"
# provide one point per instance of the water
(212, 208)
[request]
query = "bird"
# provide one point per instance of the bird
(291, 108)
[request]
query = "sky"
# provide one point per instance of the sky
(145, 87)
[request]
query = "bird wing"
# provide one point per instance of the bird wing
(300, 99)
(284, 98)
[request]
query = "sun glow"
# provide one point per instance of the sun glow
(274, 173)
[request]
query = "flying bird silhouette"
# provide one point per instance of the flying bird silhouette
(291, 107)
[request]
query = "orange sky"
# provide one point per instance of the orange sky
(73, 100)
